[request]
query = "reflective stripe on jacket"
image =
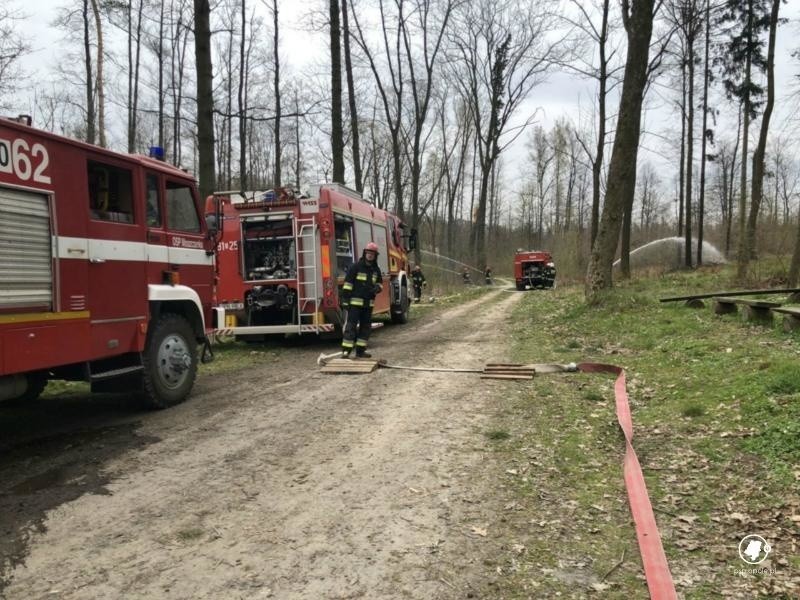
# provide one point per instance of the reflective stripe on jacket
(360, 282)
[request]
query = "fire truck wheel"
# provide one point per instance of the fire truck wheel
(400, 311)
(170, 362)
(36, 382)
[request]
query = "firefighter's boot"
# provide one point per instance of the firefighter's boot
(345, 353)
(363, 354)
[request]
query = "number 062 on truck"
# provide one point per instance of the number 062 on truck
(106, 269)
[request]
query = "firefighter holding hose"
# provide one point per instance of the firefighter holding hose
(361, 284)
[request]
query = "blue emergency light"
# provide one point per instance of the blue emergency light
(157, 152)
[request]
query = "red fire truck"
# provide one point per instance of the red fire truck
(534, 269)
(106, 272)
(282, 257)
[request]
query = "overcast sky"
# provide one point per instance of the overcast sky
(562, 95)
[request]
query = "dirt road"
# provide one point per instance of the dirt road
(274, 482)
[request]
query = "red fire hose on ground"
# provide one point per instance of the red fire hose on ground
(656, 569)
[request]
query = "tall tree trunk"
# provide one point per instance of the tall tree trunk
(297, 164)
(351, 98)
(743, 254)
(161, 79)
(87, 56)
(597, 165)
(689, 142)
(243, 66)
(682, 167)
(701, 207)
(757, 189)
(622, 167)
(134, 114)
(205, 98)
(337, 133)
(277, 92)
(100, 85)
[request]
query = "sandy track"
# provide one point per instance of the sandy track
(276, 482)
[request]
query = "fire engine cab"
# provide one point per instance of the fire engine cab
(534, 269)
(282, 257)
(106, 269)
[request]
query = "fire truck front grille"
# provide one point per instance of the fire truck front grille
(26, 275)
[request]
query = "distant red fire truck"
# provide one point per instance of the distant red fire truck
(282, 257)
(106, 272)
(534, 269)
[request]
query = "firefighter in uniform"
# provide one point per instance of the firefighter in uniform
(361, 284)
(418, 280)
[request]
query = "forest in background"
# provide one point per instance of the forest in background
(429, 107)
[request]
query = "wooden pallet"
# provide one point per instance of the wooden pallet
(507, 371)
(350, 365)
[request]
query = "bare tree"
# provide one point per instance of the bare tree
(91, 115)
(337, 132)
(12, 48)
(757, 184)
(100, 81)
(701, 205)
(277, 92)
(421, 85)
(638, 18)
(503, 55)
(603, 72)
(391, 99)
(741, 57)
(205, 97)
(687, 18)
(351, 98)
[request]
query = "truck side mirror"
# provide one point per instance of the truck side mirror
(213, 212)
(212, 225)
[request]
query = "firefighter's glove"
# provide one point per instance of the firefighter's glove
(424, 284)
(377, 289)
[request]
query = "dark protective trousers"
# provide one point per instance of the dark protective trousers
(359, 321)
(417, 291)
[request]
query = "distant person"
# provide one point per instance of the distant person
(487, 275)
(418, 280)
(465, 276)
(361, 284)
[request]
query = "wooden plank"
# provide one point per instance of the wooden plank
(515, 376)
(347, 370)
(347, 365)
(787, 310)
(745, 302)
(734, 293)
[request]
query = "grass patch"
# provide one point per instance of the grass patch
(716, 407)
(190, 534)
(693, 410)
(497, 435)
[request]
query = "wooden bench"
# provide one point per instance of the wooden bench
(791, 317)
(758, 311)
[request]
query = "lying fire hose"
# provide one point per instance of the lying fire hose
(656, 568)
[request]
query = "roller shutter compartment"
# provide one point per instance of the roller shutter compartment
(26, 272)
